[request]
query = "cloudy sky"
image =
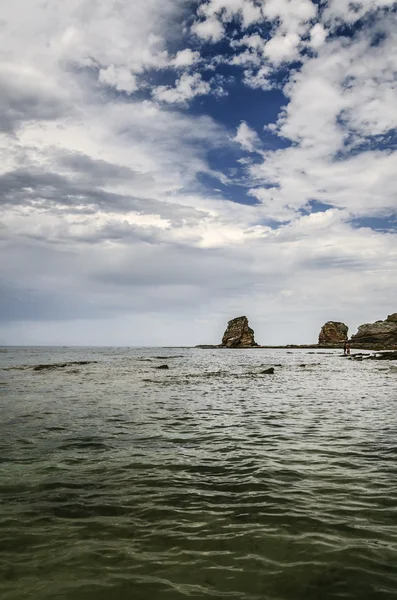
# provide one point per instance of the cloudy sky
(166, 166)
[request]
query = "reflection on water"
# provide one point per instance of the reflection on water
(210, 479)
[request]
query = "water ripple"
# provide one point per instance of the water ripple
(209, 480)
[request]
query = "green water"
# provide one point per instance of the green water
(207, 480)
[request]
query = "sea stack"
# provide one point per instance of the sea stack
(382, 334)
(238, 334)
(333, 332)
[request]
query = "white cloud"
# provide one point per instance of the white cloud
(246, 59)
(258, 79)
(250, 14)
(255, 42)
(318, 35)
(186, 88)
(118, 77)
(345, 11)
(246, 10)
(210, 30)
(282, 48)
(293, 16)
(337, 101)
(186, 58)
(120, 34)
(247, 137)
(275, 206)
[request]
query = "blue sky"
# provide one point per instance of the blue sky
(168, 166)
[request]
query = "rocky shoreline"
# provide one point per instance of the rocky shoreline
(378, 336)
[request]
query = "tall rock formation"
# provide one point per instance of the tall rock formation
(333, 332)
(238, 334)
(382, 334)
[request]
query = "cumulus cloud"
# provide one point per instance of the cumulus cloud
(186, 58)
(281, 48)
(344, 11)
(210, 30)
(186, 87)
(246, 10)
(318, 35)
(259, 78)
(338, 102)
(293, 17)
(247, 137)
(118, 77)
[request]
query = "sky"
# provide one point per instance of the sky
(167, 166)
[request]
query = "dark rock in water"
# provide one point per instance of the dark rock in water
(385, 355)
(333, 332)
(380, 333)
(63, 365)
(208, 346)
(392, 355)
(269, 371)
(163, 367)
(302, 365)
(238, 334)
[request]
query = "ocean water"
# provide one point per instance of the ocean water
(122, 481)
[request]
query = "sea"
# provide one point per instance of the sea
(209, 479)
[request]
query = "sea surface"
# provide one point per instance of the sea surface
(119, 480)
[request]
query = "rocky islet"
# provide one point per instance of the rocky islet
(239, 334)
(333, 332)
(381, 335)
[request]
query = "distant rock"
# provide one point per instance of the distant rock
(269, 371)
(163, 367)
(333, 332)
(380, 333)
(238, 334)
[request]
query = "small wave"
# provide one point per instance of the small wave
(84, 445)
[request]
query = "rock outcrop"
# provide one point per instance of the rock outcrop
(333, 332)
(238, 334)
(382, 334)
(379, 355)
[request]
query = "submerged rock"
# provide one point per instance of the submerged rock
(391, 355)
(63, 365)
(380, 333)
(380, 355)
(333, 332)
(238, 334)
